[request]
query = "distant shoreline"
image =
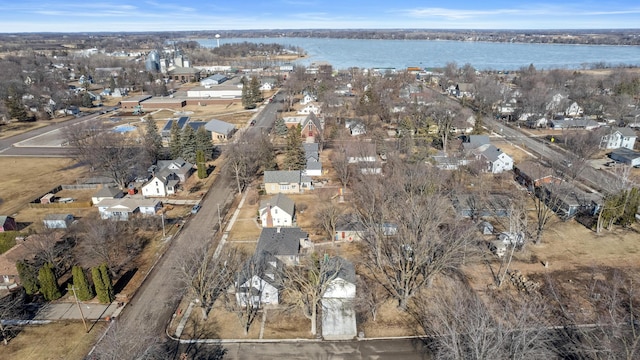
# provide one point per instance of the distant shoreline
(616, 37)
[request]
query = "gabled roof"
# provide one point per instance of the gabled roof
(534, 170)
(108, 191)
(283, 202)
(346, 270)
(310, 147)
(313, 165)
(349, 222)
(624, 131)
(282, 176)
(490, 152)
(280, 241)
(313, 119)
(177, 166)
(220, 127)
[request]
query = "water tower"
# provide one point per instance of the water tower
(218, 39)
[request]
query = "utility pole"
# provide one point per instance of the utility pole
(163, 232)
(219, 219)
(84, 322)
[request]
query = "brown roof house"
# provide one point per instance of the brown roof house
(23, 250)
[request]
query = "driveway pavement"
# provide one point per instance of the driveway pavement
(69, 311)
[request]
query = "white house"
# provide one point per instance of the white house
(124, 209)
(311, 108)
(616, 138)
(574, 110)
(355, 126)
(277, 211)
(307, 98)
(161, 186)
(259, 290)
(496, 160)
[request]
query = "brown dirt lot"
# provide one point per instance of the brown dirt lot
(63, 340)
(24, 179)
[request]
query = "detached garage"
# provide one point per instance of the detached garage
(58, 221)
(626, 156)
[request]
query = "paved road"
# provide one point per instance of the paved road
(342, 350)
(51, 136)
(591, 177)
(152, 307)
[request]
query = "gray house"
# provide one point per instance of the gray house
(282, 243)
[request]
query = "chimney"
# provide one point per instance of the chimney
(269, 217)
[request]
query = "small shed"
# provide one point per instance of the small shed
(58, 221)
(47, 199)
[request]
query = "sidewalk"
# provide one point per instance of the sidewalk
(69, 311)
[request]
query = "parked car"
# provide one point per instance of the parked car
(253, 122)
(195, 209)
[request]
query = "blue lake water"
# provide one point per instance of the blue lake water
(345, 53)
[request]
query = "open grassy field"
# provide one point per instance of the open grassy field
(23, 179)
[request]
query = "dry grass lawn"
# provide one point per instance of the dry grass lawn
(56, 341)
(24, 179)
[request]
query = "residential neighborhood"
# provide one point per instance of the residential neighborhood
(219, 201)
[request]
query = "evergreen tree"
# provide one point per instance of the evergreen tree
(247, 98)
(48, 283)
(203, 142)
(188, 144)
(86, 100)
(106, 280)
(294, 156)
(254, 86)
(102, 282)
(112, 84)
(28, 277)
(84, 291)
(280, 127)
(152, 141)
(175, 145)
(15, 106)
(99, 285)
(201, 164)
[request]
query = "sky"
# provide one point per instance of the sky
(181, 15)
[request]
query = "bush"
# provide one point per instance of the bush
(48, 283)
(84, 291)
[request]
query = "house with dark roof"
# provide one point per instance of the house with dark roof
(617, 137)
(286, 182)
(283, 243)
(349, 228)
(567, 200)
(166, 175)
(7, 223)
(626, 156)
(107, 192)
(311, 126)
(532, 174)
(495, 160)
(257, 283)
(276, 211)
(220, 131)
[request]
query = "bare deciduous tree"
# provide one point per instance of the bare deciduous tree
(306, 283)
(11, 308)
(412, 232)
(110, 153)
(206, 277)
(459, 325)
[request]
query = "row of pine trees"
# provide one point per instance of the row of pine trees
(45, 282)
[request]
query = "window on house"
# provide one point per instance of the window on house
(284, 187)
